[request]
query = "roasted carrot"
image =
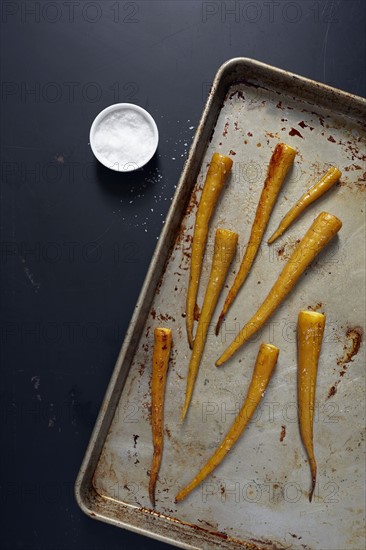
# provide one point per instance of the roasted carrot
(218, 171)
(162, 345)
(281, 160)
(321, 231)
(224, 251)
(264, 366)
(314, 193)
(310, 330)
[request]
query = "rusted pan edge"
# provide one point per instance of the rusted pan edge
(139, 520)
(250, 71)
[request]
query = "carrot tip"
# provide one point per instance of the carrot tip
(219, 323)
(312, 489)
(190, 341)
(152, 497)
(178, 498)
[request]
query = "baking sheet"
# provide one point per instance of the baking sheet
(258, 495)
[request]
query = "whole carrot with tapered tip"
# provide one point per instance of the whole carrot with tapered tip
(314, 193)
(224, 251)
(264, 366)
(310, 330)
(321, 231)
(162, 345)
(217, 174)
(280, 163)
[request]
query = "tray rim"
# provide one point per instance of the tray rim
(84, 480)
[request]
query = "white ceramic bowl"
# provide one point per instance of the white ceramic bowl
(124, 137)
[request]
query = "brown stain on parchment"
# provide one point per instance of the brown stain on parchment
(351, 347)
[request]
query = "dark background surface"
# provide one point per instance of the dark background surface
(76, 239)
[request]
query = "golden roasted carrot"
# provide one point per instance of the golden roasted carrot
(314, 193)
(281, 160)
(218, 171)
(310, 330)
(321, 231)
(264, 366)
(224, 251)
(162, 345)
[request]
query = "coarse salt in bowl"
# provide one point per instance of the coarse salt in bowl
(124, 137)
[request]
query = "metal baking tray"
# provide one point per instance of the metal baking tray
(258, 497)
